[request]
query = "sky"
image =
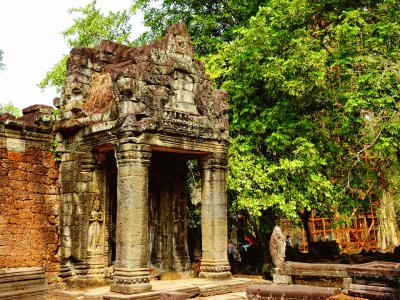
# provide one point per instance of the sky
(31, 39)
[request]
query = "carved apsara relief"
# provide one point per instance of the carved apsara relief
(96, 221)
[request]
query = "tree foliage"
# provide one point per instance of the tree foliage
(314, 91)
(209, 22)
(10, 108)
(89, 28)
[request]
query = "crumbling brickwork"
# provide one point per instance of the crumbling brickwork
(29, 195)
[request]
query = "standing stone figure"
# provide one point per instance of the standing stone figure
(277, 248)
(95, 224)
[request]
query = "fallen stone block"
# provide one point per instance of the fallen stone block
(174, 296)
(23, 283)
(290, 292)
(290, 269)
(375, 280)
(374, 292)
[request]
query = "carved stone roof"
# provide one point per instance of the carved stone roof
(157, 88)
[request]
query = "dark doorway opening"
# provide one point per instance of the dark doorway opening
(112, 173)
(170, 236)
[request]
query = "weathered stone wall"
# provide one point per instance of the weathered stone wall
(29, 196)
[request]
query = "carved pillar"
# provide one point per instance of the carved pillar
(131, 273)
(214, 229)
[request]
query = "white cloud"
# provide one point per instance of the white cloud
(30, 36)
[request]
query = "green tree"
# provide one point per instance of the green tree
(209, 22)
(10, 108)
(89, 28)
(314, 89)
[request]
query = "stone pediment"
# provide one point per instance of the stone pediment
(159, 87)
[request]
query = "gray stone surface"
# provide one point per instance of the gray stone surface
(277, 248)
(375, 280)
(292, 292)
(23, 284)
(323, 270)
(214, 262)
(195, 287)
(124, 111)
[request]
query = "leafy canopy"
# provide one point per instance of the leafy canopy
(209, 22)
(314, 89)
(10, 108)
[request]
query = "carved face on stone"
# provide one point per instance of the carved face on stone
(73, 98)
(74, 90)
(125, 86)
(96, 204)
(182, 98)
(130, 95)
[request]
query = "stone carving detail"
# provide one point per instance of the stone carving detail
(127, 152)
(121, 108)
(215, 160)
(95, 225)
(182, 99)
(215, 269)
(133, 280)
(277, 248)
(158, 87)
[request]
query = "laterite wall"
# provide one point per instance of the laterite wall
(29, 200)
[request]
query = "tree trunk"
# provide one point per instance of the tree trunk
(305, 217)
(387, 230)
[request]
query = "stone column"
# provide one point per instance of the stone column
(214, 229)
(131, 274)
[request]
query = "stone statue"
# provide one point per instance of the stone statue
(277, 248)
(95, 224)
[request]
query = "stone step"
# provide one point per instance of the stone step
(23, 283)
(202, 288)
(374, 292)
(292, 292)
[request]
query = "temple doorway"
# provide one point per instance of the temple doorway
(174, 201)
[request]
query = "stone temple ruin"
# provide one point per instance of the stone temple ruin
(111, 198)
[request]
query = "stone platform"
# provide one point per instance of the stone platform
(290, 270)
(23, 284)
(375, 280)
(194, 287)
(289, 292)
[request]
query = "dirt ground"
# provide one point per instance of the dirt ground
(345, 297)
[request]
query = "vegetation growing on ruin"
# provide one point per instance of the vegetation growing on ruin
(89, 28)
(10, 108)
